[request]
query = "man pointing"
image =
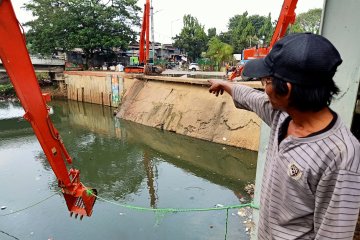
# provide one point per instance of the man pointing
(311, 182)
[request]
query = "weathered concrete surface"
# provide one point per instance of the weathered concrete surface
(181, 105)
(94, 87)
(189, 109)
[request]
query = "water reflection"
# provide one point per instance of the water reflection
(223, 165)
(9, 110)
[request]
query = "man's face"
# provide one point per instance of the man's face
(277, 101)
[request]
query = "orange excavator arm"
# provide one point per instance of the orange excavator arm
(287, 16)
(144, 45)
(16, 60)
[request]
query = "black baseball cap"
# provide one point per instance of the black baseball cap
(302, 58)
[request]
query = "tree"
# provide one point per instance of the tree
(192, 37)
(219, 51)
(240, 30)
(225, 37)
(211, 33)
(91, 25)
(308, 21)
(266, 31)
(245, 31)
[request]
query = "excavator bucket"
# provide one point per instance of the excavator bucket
(79, 199)
(82, 202)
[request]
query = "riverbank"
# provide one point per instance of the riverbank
(7, 92)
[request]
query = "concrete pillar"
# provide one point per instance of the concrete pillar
(340, 24)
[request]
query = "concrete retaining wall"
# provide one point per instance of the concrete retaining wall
(188, 108)
(95, 87)
(180, 105)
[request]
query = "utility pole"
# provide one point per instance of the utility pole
(152, 32)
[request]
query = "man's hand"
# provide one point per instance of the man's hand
(216, 87)
(219, 86)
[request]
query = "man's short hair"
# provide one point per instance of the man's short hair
(307, 98)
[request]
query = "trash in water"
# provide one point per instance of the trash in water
(241, 212)
(219, 205)
(3, 207)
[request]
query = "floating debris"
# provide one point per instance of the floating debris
(241, 212)
(250, 188)
(219, 205)
(3, 207)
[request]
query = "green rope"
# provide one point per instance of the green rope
(159, 212)
(226, 222)
(28, 207)
(174, 210)
(156, 210)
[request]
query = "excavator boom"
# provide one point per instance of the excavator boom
(287, 16)
(144, 47)
(16, 60)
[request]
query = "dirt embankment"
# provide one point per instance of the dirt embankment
(189, 109)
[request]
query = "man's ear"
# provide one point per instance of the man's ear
(289, 90)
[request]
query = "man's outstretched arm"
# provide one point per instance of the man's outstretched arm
(245, 98)
(219, 86)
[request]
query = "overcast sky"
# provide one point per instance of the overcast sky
(210, 13)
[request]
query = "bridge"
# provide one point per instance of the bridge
(55, 67)
(49, 65)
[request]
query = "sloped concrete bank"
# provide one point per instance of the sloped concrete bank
(186, 107)
(180, 105)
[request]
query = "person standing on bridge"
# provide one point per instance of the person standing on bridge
(311, 182)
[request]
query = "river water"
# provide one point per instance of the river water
(128, 164)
